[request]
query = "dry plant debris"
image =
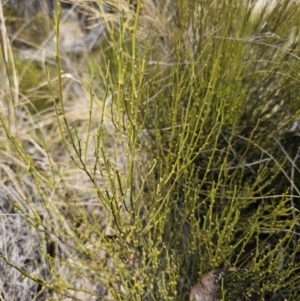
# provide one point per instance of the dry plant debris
(207, 287)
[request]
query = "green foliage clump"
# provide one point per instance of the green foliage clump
(181, 157)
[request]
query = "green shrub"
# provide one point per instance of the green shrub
(175, 157)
